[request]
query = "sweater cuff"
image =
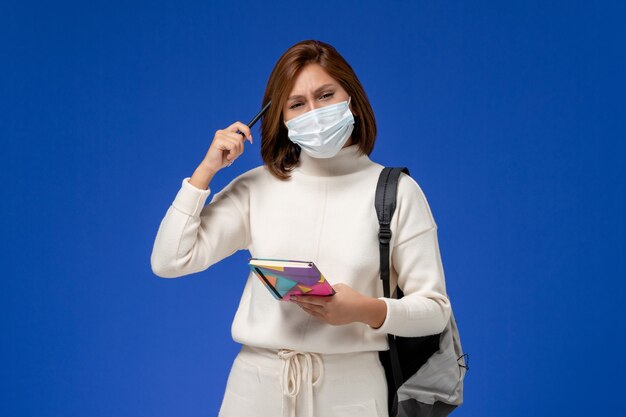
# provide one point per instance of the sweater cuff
(190, 199)
(384, 327)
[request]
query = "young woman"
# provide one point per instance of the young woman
(313, 200)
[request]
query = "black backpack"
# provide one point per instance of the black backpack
(424, 375)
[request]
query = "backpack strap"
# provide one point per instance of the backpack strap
(385, 203)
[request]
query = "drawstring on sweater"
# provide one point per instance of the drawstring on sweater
(293, 371)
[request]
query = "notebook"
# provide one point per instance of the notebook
(286, 277)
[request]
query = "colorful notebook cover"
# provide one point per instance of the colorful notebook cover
(283, 281)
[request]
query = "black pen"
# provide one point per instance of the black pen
(256, 118)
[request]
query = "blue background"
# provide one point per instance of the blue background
(510, 115)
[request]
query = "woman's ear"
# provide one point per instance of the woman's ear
(283, 121)
(350, 107)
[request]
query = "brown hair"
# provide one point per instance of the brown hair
(279, 153)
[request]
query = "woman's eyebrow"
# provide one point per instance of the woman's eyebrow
(315, 92)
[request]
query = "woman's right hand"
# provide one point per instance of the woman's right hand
(227, 145)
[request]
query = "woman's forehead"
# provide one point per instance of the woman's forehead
(310, 78)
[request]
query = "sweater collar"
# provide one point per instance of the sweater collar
(349, 159)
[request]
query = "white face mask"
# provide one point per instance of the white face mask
(322, 132)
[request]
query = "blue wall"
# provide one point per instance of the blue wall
(510, 115)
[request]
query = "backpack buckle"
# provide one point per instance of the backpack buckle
(384, 235)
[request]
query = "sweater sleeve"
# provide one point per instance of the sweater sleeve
(425, 308)
(192, 236)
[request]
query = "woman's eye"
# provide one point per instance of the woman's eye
(324, 96)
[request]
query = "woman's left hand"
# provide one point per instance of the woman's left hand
(346, 306)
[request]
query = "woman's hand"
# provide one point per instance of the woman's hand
(227, 145)
(346, 306)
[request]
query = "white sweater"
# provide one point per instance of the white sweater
(325, 213)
